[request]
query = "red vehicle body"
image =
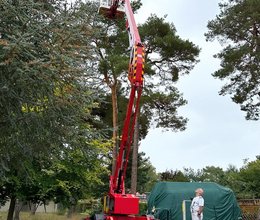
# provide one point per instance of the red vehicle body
(118, 205)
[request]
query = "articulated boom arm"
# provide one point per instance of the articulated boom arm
(117, 204)
(135, 76)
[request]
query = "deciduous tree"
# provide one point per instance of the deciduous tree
(250, 176)
(173, 176)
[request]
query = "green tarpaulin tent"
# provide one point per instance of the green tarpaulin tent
(171, 201)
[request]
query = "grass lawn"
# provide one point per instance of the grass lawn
(42, 216)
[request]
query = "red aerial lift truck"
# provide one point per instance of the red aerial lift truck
(118, 205)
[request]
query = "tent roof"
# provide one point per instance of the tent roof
(219, 200)
(213, 192)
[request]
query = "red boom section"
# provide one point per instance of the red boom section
(118, 205)
(135, 76)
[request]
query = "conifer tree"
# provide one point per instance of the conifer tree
(47, 93)
(167, 57)
(237, 27)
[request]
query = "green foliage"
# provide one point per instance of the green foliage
(173, 176)
(146, 174)
(53, 59)
(193, 175)
(166, 53)
(213, 174)
(209, 174)
(244, 181)
(167, 57)
(49, 148)
(250, 175)
(164, 107)
(233, 181)
(238, 28)
(143, 208)
(41, 89)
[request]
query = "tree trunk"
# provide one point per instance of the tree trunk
(11, 208)
(44, 205)
(258, 215)
(34, 207)
(18, 208)
(115, 126)
(135, 156)
(71, 211)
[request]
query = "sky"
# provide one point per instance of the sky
(217, 133)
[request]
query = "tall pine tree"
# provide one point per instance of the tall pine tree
(237, 27)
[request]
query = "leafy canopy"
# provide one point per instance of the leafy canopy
(48, 144)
